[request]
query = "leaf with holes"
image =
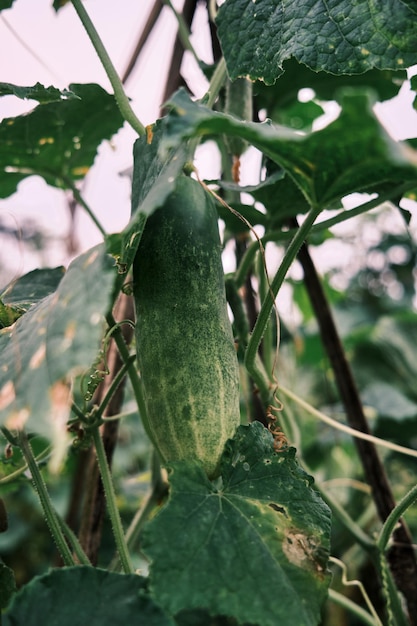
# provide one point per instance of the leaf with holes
(44, 95)
(264, 522)
(353, 153)
(57, 141)
(55, 339)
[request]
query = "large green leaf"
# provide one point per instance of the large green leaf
(354, 153)
(43, 95)
(7, 585)
(56, 338)
(297, 76)
(75, 596)
(281, 101)
(57, 141)
(264, 523)
(340, 37)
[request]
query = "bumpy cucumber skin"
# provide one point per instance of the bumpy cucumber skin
(186, 354)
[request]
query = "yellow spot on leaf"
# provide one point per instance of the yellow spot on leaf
(149, 133)
(80, 171)
(17, 419)
(364, 51)
(59, 395)
(90, 260)
(7, 395)
(46, 140)
(70, 331)
(38, 357)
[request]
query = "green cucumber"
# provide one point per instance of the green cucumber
(185, 348)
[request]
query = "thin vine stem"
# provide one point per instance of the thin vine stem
(112, 503)
(252, 366)
(393, 518)
(133, 376)
(352, 607)
(50, 514)
(80, 200)
(119, 93)
(75, 544)
(279, 236)
(359, 584)
(343, 427)
(113, 387)
(157, 492)
(42, 456)
(183, 31)
(216, 83)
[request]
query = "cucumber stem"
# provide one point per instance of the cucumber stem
(342, 216)
(352, 607)
(265, 312)
(393, 518)
(183, 31)
(80, 200)
(133, 375)
(119, 93)
(112, 503)
(51, 515)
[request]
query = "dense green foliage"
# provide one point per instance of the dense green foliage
(120, 443)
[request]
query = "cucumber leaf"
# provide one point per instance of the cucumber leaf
(74, 596)
(7, 585)
(265, 522)
(57, 337)
(57, 141)
(38, 92)
(21, 294)
(342, 37)
(32, 287)
(355, 152)
(276, 98)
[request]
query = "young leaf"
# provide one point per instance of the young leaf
(74, 596)
(345, 37)
(57, 141)
(38, 92)
(56, 338)
(265, 523)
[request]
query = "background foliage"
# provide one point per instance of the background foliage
(251, 548)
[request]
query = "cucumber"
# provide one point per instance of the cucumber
(185, 348)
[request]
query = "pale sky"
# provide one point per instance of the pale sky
(66, 55)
